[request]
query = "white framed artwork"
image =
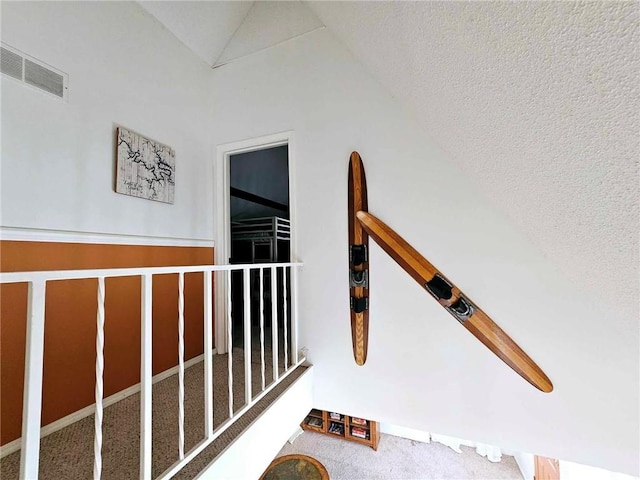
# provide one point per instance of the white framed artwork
(145, 168)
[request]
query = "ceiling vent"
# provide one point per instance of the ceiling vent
(33, 72)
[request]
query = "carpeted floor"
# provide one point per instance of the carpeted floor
(399, 459)
(199, 463)
(68, 453)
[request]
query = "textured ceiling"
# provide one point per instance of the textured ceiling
(537, 101)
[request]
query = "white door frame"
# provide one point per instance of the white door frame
(222, 215)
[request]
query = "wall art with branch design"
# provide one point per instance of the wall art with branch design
(145, 168)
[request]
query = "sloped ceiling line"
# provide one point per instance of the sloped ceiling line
(205, 27)
(230, 39)
(220, 32)
(267, 24)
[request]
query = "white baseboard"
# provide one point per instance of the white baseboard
(298, 431)
(404, 432)
(493, 454)
(526, 464)
(63, 422)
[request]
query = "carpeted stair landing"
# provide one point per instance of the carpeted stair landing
(68, 453)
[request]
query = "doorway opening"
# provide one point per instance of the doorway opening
(263, 187)
(260, 227)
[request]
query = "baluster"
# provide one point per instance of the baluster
(146, 377)
(285, 318)
(230, 345)
(274, 323)
(97, 443)
(32, 395)
(293, 313)
(208, 355)
(247, 335)
(261, 289)
(181, 365)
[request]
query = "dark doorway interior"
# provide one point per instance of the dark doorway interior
(260, 233)
(259, 206)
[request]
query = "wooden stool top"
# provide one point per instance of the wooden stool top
(295, 467)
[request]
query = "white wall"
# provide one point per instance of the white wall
(410, 433)
(124, 69)
(574, 471)
(425, 371)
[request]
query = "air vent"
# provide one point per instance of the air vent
(33, 72)
(43, 78)
(11, 63)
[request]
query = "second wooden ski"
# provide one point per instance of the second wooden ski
(454, 301)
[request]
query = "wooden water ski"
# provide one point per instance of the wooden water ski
(454, 301)
(358, 260)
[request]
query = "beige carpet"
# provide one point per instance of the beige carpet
(209, 454)
(399, 459)
(68, 453)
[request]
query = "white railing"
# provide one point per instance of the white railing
(34, 356)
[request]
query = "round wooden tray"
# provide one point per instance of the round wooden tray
(295, 467)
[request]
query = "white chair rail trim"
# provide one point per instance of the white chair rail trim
(22, 234)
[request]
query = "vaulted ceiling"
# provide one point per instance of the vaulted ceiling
(538, 102)
(221, 31)
(204, 27)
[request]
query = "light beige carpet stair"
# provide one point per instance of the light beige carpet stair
(68, 453)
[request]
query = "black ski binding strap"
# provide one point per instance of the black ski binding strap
(440, 288)
(359, 305)
(358, 278)
(462, 309)
(357, 254)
